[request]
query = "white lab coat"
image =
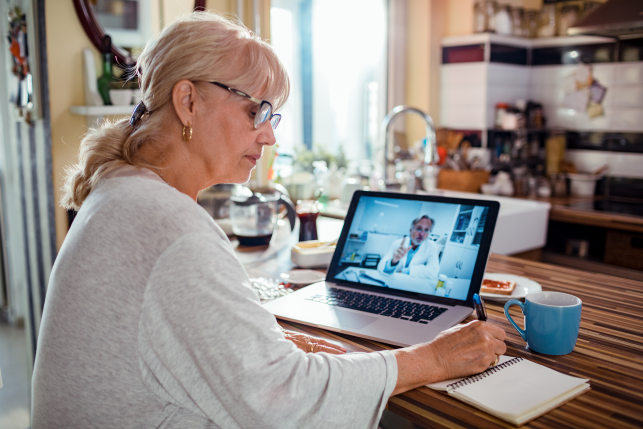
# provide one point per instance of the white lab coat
(425, 262)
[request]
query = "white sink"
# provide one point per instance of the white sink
(521, 225)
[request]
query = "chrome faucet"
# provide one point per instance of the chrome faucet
(430, 153)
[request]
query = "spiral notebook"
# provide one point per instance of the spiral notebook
(516, 390)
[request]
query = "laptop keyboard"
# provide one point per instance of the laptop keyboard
(384, 306)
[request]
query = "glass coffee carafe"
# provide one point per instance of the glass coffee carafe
(254, 216)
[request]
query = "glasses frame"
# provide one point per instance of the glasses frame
(274, 118)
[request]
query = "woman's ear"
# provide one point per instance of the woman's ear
(183, 98)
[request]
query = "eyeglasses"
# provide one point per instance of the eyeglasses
(420, 229)
(265, 108)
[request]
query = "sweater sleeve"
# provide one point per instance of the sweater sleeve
(207, 345)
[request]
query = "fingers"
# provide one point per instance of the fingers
(314, 345)
(328, 345)
(327, 349)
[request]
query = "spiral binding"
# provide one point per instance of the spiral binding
(475, 378)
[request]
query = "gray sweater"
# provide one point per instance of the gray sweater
(150, 322)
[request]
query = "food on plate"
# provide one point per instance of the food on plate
(499, 287)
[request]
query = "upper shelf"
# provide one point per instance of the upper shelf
(102, 110)
(472, 39)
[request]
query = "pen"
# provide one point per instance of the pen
(478, 304)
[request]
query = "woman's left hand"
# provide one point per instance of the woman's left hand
(313, 345)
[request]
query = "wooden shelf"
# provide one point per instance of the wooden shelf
(102, 110)
(540, 42)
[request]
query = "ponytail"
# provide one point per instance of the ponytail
(200, 46)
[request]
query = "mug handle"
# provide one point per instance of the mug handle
(290, 210)
(522, 332)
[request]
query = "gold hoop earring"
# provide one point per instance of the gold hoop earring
(187, 132)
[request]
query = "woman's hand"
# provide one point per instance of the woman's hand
(458, 352)
(313, 345)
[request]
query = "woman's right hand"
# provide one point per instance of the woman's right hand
(457, 352)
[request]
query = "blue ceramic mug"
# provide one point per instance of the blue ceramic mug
(552, 321)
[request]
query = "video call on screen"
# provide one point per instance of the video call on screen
(415, 246)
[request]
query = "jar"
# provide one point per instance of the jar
(517, 21)
(503, 20)
(569, 14)
(484, 12)
(547, 25)
(501, 111)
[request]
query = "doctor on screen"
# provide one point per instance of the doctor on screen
(415, 255)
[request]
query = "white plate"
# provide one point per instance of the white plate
(523, 287)
(303, 277)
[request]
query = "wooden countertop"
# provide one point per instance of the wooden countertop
(609, 352)
(560, 211)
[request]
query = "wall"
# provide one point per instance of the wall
(65, 40)
(428, 22)
(25, 179)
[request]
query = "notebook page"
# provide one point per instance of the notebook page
(518, 388)
(442, 385)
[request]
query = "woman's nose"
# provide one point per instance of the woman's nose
(267, 136)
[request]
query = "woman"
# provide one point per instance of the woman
(149, 319)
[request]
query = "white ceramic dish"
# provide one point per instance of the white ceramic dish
(523, 287)
(120, 97)
(312, 254)
(303, 277)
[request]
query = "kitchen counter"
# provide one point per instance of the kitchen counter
(510, 237)
(607, 352)
(580, 210)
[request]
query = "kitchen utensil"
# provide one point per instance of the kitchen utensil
(254, 216)
(599, 171)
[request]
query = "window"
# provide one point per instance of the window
(335, 54)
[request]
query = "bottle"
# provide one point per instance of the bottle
(442, 278)
(106, 79)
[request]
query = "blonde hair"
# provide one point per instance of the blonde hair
(201, 46)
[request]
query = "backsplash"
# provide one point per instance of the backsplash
(482, 70)
(470, 91)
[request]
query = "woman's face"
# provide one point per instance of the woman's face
(229, 143)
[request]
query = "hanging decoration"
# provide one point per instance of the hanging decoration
(22, 98)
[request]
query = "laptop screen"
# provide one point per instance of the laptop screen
(425, 245)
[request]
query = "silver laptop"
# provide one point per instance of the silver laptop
(405, 268)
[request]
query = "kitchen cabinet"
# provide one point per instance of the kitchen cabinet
(461, 250)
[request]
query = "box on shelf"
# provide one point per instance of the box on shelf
(624, 249)
(465, 181)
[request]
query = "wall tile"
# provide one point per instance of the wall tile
(627, 119)
(506, 94)
(546, 95)
(464, 74)
(549, 75)
(463, 117)
(620, 164)
(604, 73)
(624, 96)
(561, 117)
(463, 95)
(629, 74)
(505, 74)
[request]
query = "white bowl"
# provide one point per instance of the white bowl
(582, 185)
(120, 97)
(308, 254)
